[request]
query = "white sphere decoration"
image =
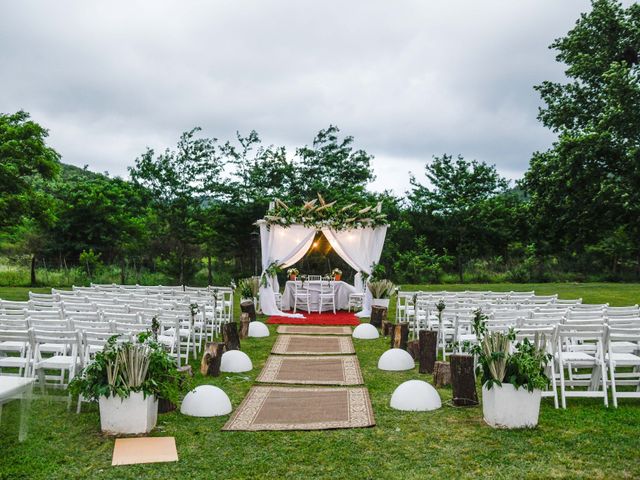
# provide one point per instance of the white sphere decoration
(258, 329)
(415, 396)
(395, 360)
(206, 401)
(235, 361)
(365, 331)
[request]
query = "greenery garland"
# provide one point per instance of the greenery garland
(318, 213)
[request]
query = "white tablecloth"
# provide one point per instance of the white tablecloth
(342, 291)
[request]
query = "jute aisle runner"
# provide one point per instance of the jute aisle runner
(312, 345)
(307, 408)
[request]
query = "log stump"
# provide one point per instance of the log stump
(211, 358)
(164, 405)
(413, 347)
(428, 350)
(247, 306)
(378, 315)
(230, 336)
(400, 335)
(244, 325)
(387, 326)
(442, 374)
(463, 380)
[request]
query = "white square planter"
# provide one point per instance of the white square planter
(134, 414)
(380, 302)
(506, 407)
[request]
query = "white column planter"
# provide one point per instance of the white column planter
(380, 302)
(506, 407)
(131, 415)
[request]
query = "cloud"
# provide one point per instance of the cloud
(408, 79)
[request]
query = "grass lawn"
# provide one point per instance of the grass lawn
(586, 440)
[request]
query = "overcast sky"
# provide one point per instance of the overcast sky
(408, 79)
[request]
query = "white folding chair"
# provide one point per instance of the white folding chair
(301, 293)
(628, 361)
(17, 344)
(327, 294)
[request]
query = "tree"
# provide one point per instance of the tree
(586, 186)
(24, 155)
(332, 168)
(179, 181)
(457, 193)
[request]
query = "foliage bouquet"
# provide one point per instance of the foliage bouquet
(336, 273)
(293, 273)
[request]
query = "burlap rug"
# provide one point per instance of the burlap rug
(282, 408)
(311, 330)
(306, 370)
(312, 345)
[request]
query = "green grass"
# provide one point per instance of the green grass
(586, 440)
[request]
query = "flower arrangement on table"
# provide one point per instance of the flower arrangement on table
(293, 273)
(319, 213)
(336, 273)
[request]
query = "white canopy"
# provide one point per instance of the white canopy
(359, 247)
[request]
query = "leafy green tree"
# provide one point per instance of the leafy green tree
(24, 155)
(586, 186)
(180, 182)
(454, 199)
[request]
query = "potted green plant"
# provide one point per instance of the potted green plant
(512, 379)
(293, 273)
(126, 379)
(336, 273)
(381, 291)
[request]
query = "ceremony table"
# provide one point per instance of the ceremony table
(12, 388)
(341, 292)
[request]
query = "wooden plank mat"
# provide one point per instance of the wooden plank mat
(307, 370)
(286, 408)
(313, 330)
(312, 345)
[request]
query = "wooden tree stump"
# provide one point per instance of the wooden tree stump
(244, 325)
(165, 405)
(210, 363)
(442, 374)
(378, 315)
(428, 350)
(413, 347)
(387, 326)
(230, 336)
(463, 380)
(249, 307)
(400, 335)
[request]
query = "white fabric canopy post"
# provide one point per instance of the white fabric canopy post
(285, 246)
(361, 248)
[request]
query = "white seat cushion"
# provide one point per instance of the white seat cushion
(576, 357)
(625, 359)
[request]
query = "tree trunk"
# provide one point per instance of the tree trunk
(230, 336)
(209, 271)
(387, 327)
(244, 325)
(181, 280)
(249, 307)
(210, 363)
(400, 335)
(33, 271)
(463, 380)
(428, 348)
(442, 374)
(378, 315)
(123, 270)
(413, 347)
(165, 405)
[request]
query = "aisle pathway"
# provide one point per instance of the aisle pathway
(311, 358)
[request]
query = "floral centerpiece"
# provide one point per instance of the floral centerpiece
(293, 273)
(336, 273)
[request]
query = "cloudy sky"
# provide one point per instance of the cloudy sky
(408, 79)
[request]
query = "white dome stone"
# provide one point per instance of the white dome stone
(365, 331)
(258, 329)
(415, 396)
(235, 361)
(206, 401)
(395, 359)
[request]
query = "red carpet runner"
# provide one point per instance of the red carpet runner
(325, 318)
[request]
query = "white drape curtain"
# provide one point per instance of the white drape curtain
(285, 246)
(361, 248)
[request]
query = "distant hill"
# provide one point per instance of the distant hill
(71, 171)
